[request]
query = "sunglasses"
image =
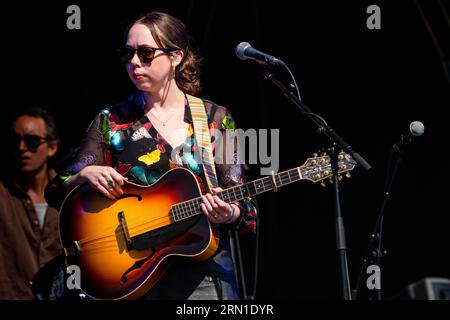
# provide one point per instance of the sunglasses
(145, 53)
(32, 142)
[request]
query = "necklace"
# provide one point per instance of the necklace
(163, 122)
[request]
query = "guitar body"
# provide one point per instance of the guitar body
(96, 232)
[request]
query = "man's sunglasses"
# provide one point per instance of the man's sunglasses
(145, 53)
(32, 142)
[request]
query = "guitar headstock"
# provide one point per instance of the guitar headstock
(318, 168)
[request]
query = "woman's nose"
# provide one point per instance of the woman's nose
(135, 59)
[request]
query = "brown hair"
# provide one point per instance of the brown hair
(169, 31)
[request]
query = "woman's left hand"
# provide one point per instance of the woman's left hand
(217, 210)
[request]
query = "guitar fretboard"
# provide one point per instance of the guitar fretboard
(192, 208)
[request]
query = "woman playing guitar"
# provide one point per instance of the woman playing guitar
(135, 143)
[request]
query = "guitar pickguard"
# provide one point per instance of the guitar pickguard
(162, 235)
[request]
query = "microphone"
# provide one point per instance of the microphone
(416, 129)
(245, 51)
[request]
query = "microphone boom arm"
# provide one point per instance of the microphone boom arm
(323, 127)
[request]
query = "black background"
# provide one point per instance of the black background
(368, 84)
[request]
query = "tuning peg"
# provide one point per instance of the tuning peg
(348, 175)
(323, 184)
(330, 180)
(315, 155)
(339, 177)
(324, 154)
(341, 156)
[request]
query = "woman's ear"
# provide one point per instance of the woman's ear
(177, 56)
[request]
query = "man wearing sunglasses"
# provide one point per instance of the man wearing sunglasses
(29, 236)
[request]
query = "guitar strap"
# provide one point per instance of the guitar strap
(203, 139)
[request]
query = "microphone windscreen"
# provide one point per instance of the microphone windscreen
(240, 50)
(416, 128)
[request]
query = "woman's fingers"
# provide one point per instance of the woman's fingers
(108, 184)
(222, 204)
(106, 180)
(112, 183)
(216, 210)
(216, 190)
(207, 204)
(208, 210)
(211, 201)
(211, 215)
(117, 177)
(98, 185)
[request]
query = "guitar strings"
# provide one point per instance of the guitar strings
(107, 233)
(172, 213)
(266, 182)
(102, 242)
(180, 215)
(105, 236)
(146, 223)
(106, 245)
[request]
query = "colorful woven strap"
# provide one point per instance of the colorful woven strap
(203, 139)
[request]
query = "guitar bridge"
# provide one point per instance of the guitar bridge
(126, 234)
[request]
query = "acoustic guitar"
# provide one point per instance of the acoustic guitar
(123, 246)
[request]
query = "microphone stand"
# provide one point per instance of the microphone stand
(324, 128)
(374, 253)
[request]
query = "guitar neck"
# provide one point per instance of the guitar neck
(261, 185)
(192, 208)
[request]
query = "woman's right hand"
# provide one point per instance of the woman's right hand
(104, 179)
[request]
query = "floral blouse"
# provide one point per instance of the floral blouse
(123, 137)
